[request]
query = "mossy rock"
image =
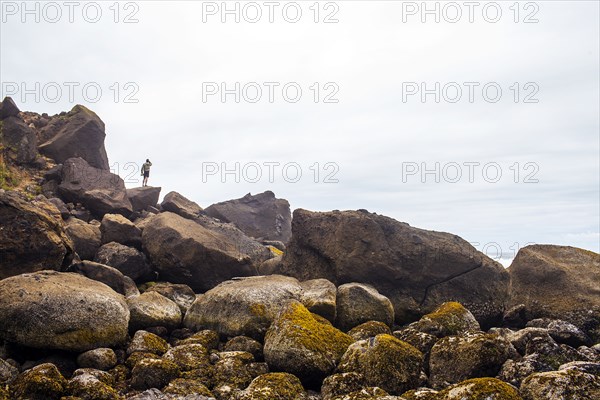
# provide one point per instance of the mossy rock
(89, 387)
(207, 338)
(274, 386)
(475, 355)
(369, 393)
(42, 382)
(188, 357)
(4, 393)
(341, 384)
(421, 340)
(150, 373)
(236, 369)
(567, 384)
(247, 344)
(420, 394)
(450, 318)
(385, 362)
(136, 357)
(480, 389)
(369, 329)
(299, 344)
(147, 342)
(183, 387)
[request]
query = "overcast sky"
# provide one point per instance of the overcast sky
(513, 160)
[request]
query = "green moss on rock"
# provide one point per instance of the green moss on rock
(369, 329)
(42, 382)
(480, 389)
(450, 318)
(385, 362)
(183, 387)
(274, 386)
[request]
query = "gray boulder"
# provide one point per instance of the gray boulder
(128, 260)
(558, 282)
(117, 228)
(358, 303)
(259, 216)
(415, 268)
(86, 237)
(180, 205)
(560, 385)
(110, 276)
(152, 309)
(63, 311)
(143, 197)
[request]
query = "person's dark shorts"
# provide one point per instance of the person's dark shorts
(146, 174)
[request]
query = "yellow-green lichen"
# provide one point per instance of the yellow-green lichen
(274, 386)
(480, 389)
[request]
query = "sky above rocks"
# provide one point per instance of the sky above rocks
(480, 119)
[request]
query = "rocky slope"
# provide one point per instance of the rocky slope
(106, 294)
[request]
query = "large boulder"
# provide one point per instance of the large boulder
(558, 282)
(260, 216)
(86, 237)
(64, 311)
(19, 139)
(358, 303)
(417, 269)
(152, 309)
(79, 134)
(143, 197)
(128, 260)
(32, 236)
(98, 190)
(8, 108)
(180, 205)
(183, 251)
(386, 362)
(298, 343)
(117, 228)
(245, 306)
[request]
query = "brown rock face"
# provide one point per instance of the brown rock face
(98, 190)
(32, 236)
(180, 205)
(80, 133)
(143, 197)
(8, 108)
(183, 251)
(558, 282)
(417, 269)
(260, 216)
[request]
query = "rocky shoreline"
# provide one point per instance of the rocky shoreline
(107, 294)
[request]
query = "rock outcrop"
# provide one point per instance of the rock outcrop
(260, 216)
(19, 139)
(558, 282)
(64, 311)
(417, 269)
(79, 133)
(32, 236)
(98, 190)
(8, 108)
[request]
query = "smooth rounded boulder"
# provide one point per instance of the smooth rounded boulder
(245, 306)
(32, 236)
(183, 251)
(558, 282)
(358, 303)
(62, 311)
(415, 268)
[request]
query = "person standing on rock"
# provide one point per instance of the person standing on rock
(146, 172)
